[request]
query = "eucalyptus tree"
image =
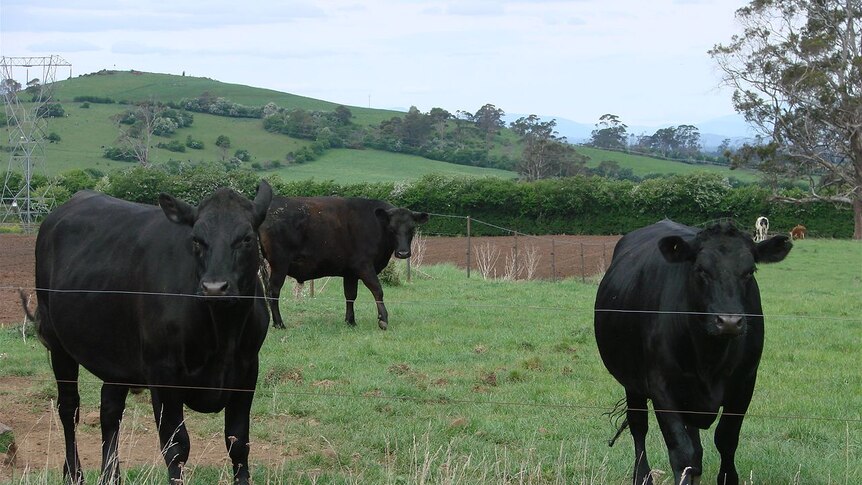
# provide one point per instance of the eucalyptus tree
(796, 70)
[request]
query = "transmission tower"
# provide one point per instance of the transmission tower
(26, 128)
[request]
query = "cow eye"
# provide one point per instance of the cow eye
(198, 245)
(245, 241)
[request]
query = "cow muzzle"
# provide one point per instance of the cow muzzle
(402, 254)
(729, 325)
(215, 288)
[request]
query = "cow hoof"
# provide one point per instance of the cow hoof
(352, 324)
(382, 324)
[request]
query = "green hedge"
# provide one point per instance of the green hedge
(576, 205)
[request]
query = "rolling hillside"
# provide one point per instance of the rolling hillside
(85, 131)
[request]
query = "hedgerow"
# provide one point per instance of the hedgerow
(573, 205)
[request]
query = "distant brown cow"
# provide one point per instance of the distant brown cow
(798, 232)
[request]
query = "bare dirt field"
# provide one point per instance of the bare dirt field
(543, 257)
(37, 430)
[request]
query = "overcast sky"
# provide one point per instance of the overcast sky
(643, 60)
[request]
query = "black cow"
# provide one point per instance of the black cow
(311, 237)
(678, 321)
(108, 276)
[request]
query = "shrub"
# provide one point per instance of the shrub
(194, 144)
(92, 99)
(119, 154)
(173, 146)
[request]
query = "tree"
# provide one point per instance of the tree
(10, 86)
(489, 120)
(223, 142)
(796, 71)
(136, 130)
(545, 154)
(610, 132)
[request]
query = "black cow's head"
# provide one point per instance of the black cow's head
(721, 264)
(223, 237)
(401, 223)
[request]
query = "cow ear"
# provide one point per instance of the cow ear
(261, 202)
(420, 217)
(773, 249)
(177, 210)
(383, 215)
(675, 249)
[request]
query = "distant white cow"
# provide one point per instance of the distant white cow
(761, 227)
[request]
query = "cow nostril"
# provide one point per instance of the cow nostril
(214, 288)
(729, 324)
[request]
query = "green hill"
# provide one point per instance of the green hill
(85, 132)
(643, 165)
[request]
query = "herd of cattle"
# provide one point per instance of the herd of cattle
(169, 298)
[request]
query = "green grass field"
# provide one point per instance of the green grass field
(500, 382)
(642, 165)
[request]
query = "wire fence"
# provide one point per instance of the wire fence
(475, 261)
(436, 399)
(512, 254)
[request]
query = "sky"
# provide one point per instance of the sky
(645, 61)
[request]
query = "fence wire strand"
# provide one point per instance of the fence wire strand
(450, 304)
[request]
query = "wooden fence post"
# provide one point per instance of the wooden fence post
(553, 262)
(583, 265)
(468, 246)
(515, 257)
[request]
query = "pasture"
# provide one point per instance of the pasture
(481, 381)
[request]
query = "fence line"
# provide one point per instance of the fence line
(515, 233)
(438, 399)
(446, 303)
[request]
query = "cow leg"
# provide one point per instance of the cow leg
(173, 437)
(369, 278)
(110, 416)
(68, 408)
(727, 431)
(276, 282)
(697, 461)
(236, 433)
(681, 450)
(637, 417)
(351, 286)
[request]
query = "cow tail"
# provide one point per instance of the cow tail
(33, 317)
(24, 300)
(615, 414)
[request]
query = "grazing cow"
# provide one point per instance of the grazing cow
(761, 228)
(311, 237)
(798, 232)
(678, 321)
(164, 298)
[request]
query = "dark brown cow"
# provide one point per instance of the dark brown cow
(311, 237)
